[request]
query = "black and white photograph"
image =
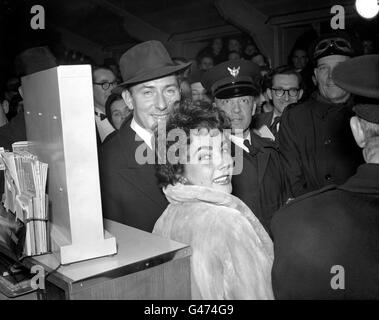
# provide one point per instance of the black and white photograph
(189, 154)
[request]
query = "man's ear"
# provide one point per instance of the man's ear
(358, 133)
(300, 94)
(254, 109)
(128, 99)
(314, 76)
(20, 92)
(269, 93)
(5, 106)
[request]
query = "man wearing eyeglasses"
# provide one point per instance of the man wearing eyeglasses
(104, 81)
(316, 145)
(284, 89)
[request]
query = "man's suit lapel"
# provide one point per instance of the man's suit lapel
(140, 176)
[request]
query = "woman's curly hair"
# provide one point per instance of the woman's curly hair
(187, 116)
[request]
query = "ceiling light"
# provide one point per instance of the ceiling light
(368, 9)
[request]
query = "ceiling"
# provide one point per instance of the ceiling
(112, 23)
(102, 21)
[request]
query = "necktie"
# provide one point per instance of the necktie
(274, 126)
(247, 144)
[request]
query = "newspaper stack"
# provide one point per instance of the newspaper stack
(24, 195)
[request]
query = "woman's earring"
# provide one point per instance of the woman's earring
(183, 180)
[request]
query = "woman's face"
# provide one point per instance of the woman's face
(119, 112)
(211, 164)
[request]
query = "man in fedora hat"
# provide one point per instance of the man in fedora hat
(326, 242)
(316, 144)
(261, 184)
(130, 193)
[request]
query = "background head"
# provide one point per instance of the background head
(204, 152)
(284, 87)
(234, 84)
(116, 110)
(328, 51)
(198, 92)
(299, 58)
(103, 82)
(205, 62)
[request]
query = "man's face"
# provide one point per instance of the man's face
(239, 110)
(299, 59)
(217, 44)
(206, 63)
(152, 101)
(323, 74)
(281, 99)
(101, 95)
(234, 45)
(199, 93)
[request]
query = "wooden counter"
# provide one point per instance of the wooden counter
(146, 266)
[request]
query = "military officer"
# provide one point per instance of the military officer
(261, 184)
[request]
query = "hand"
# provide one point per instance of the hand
(371, 150)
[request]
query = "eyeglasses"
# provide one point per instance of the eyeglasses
(105, 85)
(292, 92)
(336, 43)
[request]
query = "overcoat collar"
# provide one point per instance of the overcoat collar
(323, 106)
(366, 180)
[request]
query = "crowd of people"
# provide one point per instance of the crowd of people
(270, 174)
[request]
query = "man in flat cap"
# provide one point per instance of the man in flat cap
(316, 144)
(129, 188)
(327, 242)
(261, 185)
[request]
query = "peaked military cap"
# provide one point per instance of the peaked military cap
(233, 78)
(360, 76)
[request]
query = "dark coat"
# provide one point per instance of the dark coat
(262, 184)
(329, 227)
(261, 119)
(317, 145)
(129, 191)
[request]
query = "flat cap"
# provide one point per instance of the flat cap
(233, 78)
(360, 76)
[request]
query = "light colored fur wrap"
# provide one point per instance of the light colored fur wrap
(232, 254)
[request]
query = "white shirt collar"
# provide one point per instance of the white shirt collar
(97, 109)
(240, 140)
(144, 134)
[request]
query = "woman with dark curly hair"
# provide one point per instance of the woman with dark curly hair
(232, 254)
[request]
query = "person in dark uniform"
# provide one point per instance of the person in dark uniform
(316, 144)
(326, 243)
(129, 189)
(261, 184)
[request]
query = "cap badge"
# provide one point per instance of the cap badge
(234, 71)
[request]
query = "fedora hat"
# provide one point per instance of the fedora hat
(34, 60)
(144, 62)
(360, 76)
